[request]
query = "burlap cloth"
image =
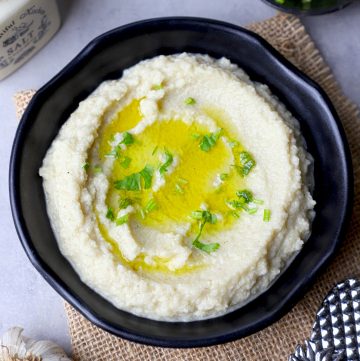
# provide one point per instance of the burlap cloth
(276, 342)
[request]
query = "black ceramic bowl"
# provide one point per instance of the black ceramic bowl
(105, 58)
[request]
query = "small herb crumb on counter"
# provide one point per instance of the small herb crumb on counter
(180, 190)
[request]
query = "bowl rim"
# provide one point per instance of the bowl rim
(54, 280)
(309, 12)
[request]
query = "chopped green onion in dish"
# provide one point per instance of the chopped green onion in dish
(110, 214)
(157, 87)
(150, 206)
(122, 220)
(247, 163)
(267, 215)
(97, 169)
(209, 141)
(125, 202)
(206, 247)
(125, 163)
(190, 101)
(132, 182)
(127, 139)
(204, 217)
(224, 176)
(169, 158)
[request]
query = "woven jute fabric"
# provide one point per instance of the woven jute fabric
(276, 342)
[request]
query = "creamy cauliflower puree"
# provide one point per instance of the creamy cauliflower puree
(180, 190)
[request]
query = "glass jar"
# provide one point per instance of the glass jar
(25, 27)
(308, 7)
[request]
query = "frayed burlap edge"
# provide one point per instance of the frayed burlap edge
(285, 33)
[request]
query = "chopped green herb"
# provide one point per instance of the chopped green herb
(280, 1)
(150, 206)
(235, 204)
(224, 176)
(155, 150)
(204, 217)
(235, 214)
(124, 203)
(245, 196)
(209, 140)
(122, 220)
(130, 183)
(183, 181)
(168, 161)
(190, 101)
(252, 210)
(127, 139)
(115, 153)
(97, 169)
(178, 188)
(147, 174)
(241, 205)
(125, 162)
(86, 166)
(267, 215)
(206, 247)
(197, 215)
(258, 201)
(142, 213)
(110, 214)
(247, 164)
(196, 135)
(157, 87)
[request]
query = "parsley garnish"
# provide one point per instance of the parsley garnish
(206, 247)
(157, 87)
(154, 150)
(110, 214)
(124, 203)
(204, 217)
(209, 140)
(224, 176)
(132, 182)
(190, 101)
(183, 181)
(115, 152)
(196, 135)
(245, 196)
(86, 166)
(147, 174)
(267, 215)
(125, 162)
(247, 164)
(121, 220)
(178, 188)
(168, 161)
(97, 169)
(150, 206)
(127, 139)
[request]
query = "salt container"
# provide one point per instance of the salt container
(25, 27)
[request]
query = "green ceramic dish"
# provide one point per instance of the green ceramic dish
(308, 7)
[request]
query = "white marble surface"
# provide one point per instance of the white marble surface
(25, 298)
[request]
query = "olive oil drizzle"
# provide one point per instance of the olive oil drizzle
(194, 180)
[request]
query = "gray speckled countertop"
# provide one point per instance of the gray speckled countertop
(25, 298)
